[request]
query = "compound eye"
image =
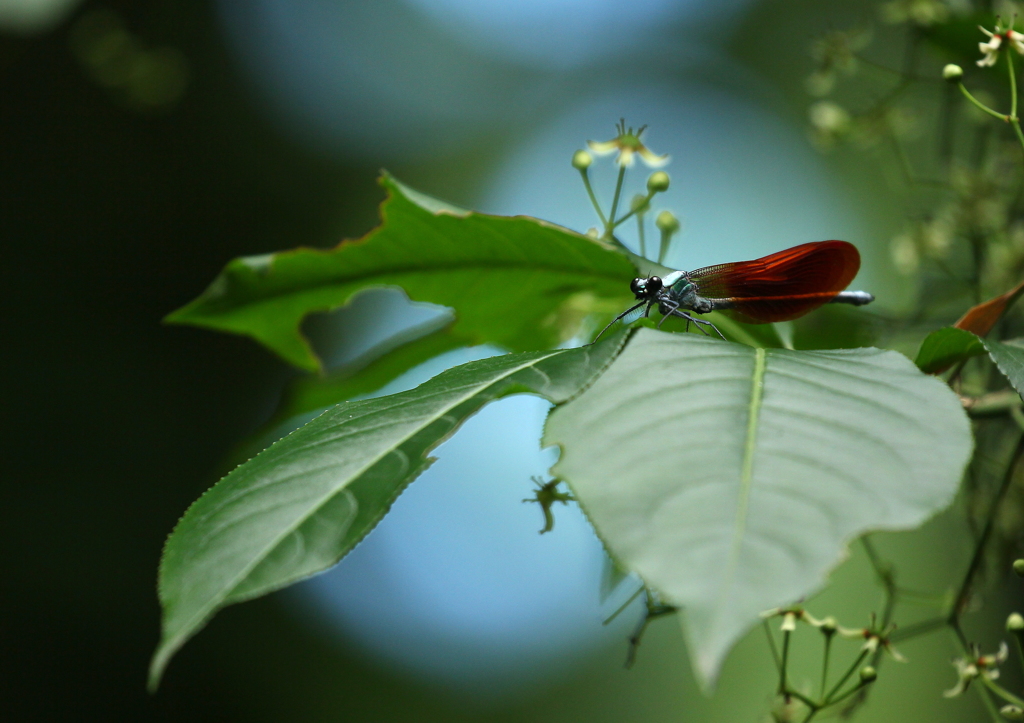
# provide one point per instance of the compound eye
(654, 284)
(636, 285)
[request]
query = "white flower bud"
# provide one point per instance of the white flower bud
(1015, 623)
(1012, 712)
(952, 72)
(581, 160)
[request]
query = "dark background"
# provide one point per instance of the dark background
(114, 423)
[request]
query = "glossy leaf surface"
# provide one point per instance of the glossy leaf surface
(515, 282)
(731, 479)
(945, 347)
(300, 505)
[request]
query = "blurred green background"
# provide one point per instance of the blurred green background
(143, 144)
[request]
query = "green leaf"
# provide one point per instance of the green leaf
(300, 505)
(515, 282)
(366, 374)
(731, 478)
(1009, 357)
(945, 347)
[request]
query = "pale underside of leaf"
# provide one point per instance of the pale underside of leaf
(731, 479)
(299, 506)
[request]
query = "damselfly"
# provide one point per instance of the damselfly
(778, 287)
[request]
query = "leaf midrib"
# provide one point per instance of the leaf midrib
(746, 470)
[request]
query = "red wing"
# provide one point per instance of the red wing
(783, 285)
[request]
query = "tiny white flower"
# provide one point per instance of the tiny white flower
(1017, 39)
(628, 143)
(985, 666)
(965, 673)
(788, 622)
(990, 49)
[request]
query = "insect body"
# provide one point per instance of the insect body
(778, 287)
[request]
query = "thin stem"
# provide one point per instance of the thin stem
(918, 597)
(640, 233)
(846, 677)
(802, 698)
(965, 587)
(989, 705)
(1020, 648)
(1013, 86)
(624, 605)
(1020, 136)
(981, 106)
(610, 223)
(666, 237)
(885, 575)
(652, 610)
(824, 664)
(992, 403)
(810, 714)
(593, 198)
(1013, 100)
(925, 626)
(859, 688)
(882, 570)
(639, 210)
(783, 684)
(1001, 691)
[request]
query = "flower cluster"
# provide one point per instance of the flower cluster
(873, 636)
(976, 666)
(990, 49)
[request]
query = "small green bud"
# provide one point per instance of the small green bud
(658, 182)
(1012, 712)
(1015, 623)
(667, 222)
(1018, 567)
(581, 160)
(640, 203)
(953, 73)
(868, 674)
(829, 625)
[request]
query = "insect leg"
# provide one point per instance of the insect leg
(700, 323)
(672, 308)
(708, 323)
(624, 313)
